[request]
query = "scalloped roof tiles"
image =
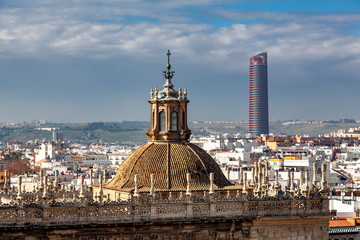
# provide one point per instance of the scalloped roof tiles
(169, 162)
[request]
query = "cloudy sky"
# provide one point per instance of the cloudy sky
(84, 61)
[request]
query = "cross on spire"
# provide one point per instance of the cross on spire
(168, 74)
(168, 54)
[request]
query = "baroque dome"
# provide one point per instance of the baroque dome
(170, 162)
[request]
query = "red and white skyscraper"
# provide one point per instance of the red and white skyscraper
(258, 95)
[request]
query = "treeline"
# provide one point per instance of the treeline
(116, 126)
(344, 120)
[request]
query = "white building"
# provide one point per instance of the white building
(46, 151)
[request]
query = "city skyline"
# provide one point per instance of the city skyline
(73, 61)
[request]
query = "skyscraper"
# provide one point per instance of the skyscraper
(258, 95)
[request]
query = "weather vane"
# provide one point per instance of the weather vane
(168, 54)
(168, 74)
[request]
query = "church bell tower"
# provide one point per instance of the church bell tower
(168, 111)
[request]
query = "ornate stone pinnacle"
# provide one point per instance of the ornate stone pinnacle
(6, 184)
(19, 195)
(276, 181)
(136, 190)
(45, 196)
(152, 185)
(314, 175)
(151, 94)
(56, 182)
(244, 190)
(168, 93)
(324, 186)
(41, 185)
(82, 189)
(91, 178)
(241, 175)
(156, 93)
(253, 173)
(188, 190)
(105, 175)
(211, 190)
(292, 187)
(306, 189)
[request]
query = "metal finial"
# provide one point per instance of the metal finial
(168, 74)
(168, 54)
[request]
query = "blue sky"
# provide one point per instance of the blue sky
(84, 61)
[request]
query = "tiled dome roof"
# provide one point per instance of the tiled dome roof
(169, 162)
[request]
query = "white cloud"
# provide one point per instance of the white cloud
(141, 29)
(101, 28)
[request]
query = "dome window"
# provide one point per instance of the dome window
(162, 121)
(174, 121)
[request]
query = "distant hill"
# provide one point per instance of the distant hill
(109, 132)
(277, 128)
(128, 131)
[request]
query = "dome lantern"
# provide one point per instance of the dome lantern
(168, 112)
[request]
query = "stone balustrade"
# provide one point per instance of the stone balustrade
(133, 211)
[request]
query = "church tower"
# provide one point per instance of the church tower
(168, 111)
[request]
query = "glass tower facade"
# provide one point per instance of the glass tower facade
(258, 95)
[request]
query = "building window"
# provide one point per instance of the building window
(183, 120)
(153, 119)
(174, 121)
(162, 121)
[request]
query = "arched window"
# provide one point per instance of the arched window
(174, 121)
(162, 122)
(153, 119)
(183, 120)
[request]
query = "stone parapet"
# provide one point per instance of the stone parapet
(133, 211)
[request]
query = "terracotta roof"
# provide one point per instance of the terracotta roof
(169, 162)
(41, 161)
(342, 223)
(95, 155)
(220, 150)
